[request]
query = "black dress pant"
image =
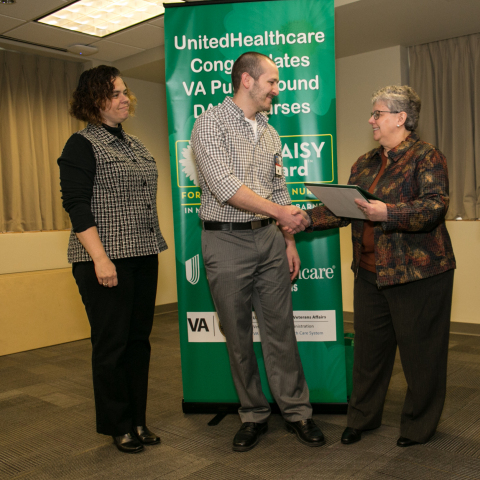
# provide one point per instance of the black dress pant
(121, 320)
(416, 317)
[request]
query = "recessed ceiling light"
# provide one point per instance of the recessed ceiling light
(8, 2)
(104, 17)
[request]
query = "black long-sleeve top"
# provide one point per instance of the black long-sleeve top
(77, 174)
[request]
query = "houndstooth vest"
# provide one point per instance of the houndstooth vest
(124, 198)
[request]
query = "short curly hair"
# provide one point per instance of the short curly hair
(94, 89)
(401, 99)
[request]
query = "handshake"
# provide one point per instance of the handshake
(292, 220)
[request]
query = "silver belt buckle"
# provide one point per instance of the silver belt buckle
(256, 224)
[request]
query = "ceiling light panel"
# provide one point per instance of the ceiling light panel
(104, 17)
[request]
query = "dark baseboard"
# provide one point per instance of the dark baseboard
(459, 328)
(462, 328)
(167, 308)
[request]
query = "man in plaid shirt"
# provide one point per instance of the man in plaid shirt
(249, 262)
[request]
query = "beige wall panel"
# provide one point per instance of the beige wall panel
(39, 309)
(150, 126)
(32, 251)
(358, 77)
(465, 237)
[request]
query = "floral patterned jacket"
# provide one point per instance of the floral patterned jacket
(413, 243)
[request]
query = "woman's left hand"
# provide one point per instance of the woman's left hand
(374, 210)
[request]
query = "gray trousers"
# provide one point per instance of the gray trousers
(416, 317)
(248, 268)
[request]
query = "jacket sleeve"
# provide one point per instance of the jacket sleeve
(77, 175)
(427, 209)
(322, 218)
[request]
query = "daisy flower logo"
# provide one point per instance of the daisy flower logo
(189, 166)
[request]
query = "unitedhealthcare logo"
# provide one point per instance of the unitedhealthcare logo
(323, 273)
(192, 269)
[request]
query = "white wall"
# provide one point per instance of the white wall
(150, 126)
(358, 77)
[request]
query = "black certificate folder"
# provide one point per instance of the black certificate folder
(340, 199)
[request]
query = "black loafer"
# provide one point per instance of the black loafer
(146, 436)
(351, 435)
(128, 443)
(307, 432)
(406, 442)
(248, 436)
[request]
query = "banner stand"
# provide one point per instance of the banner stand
(232, 408)
(202, 41)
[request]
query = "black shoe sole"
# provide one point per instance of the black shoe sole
(124, 450)
(239, 448)
(245, 449)
(409, 444)
(308, 444)
(350, 442)
(147, 442)
(155, 442)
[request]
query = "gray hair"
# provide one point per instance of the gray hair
(401, 99)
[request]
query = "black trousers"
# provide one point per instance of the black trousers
(416, 317)
(121, 320)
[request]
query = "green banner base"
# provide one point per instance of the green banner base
(215, 408)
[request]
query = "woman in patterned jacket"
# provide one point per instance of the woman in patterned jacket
(109, 186)
(403, 263)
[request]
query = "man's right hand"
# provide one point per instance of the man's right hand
(292, 219)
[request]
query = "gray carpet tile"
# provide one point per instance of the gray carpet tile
(47, 420)
(423, 462)
(218, 470)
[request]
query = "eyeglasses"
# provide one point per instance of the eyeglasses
(376, 113)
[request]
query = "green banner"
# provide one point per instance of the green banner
(202, 42)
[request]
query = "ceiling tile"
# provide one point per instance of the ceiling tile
(151, 72)
(110, 51)
(158, 21)
(339, 3)
(46, 35)
(7, 23)
(29, 10)
(142, 36)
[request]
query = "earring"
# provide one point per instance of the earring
(398, 126)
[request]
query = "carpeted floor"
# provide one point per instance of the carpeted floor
(47, 428)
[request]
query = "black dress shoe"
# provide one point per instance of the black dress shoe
(248, 436)
(406, 442)
(307, 432)
(128, 443)
(146, 436)
(351, 435)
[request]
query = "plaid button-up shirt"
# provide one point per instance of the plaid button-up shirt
(228, 156)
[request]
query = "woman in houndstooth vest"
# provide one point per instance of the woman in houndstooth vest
(109, 185)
